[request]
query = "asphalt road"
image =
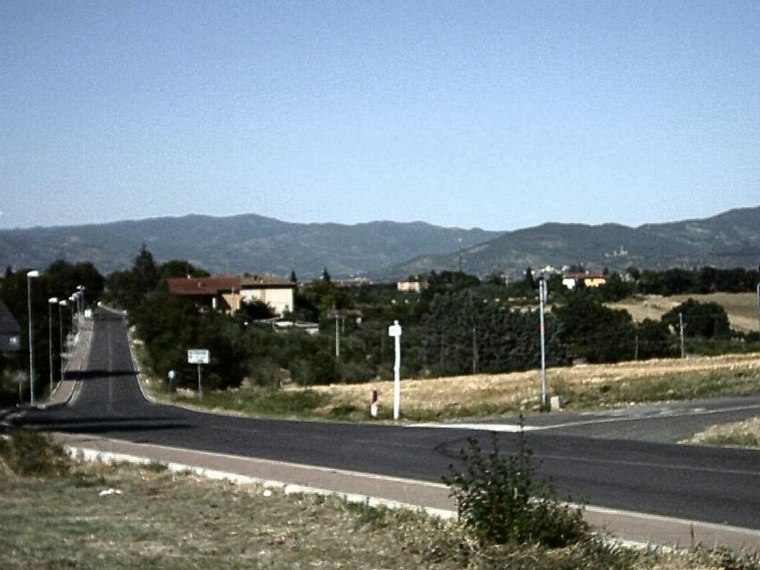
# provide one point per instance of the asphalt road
(599, 468)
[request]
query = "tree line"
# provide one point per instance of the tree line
(457, 324)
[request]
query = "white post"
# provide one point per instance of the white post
(395, 331)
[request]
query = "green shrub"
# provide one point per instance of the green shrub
(28, 453)
(286, 402)
(500, 500)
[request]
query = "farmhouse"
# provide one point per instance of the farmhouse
(215, 293)
(277, 293)
(571, 280)
(226, 293)
(410, 285)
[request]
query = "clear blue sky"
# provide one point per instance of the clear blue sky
(500, 115)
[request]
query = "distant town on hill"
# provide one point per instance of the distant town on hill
(385, 251)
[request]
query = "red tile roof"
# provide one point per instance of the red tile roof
(202, 286)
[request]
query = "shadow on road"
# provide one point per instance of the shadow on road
(85, 375)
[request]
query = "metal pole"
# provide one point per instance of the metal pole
(680, 326)
(758, 306)
(200, 386)
(542, 300)
(337, 338)
(29, 276)
(61, 304)
(50, 338)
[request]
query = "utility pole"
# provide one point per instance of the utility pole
(474, 350)
(542, 294)
(758, 301)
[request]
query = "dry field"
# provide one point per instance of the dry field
(494, 394)
(741, 307)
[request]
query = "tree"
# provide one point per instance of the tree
(653, 340)
(595, 332)
(129, 288)
(706, 320)
(256, 310)
(464, 333)
(181, 268)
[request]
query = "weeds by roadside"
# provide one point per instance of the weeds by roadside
(27, 453)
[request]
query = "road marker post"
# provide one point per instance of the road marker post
(395, 331)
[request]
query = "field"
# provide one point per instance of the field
(741, 307)
(581, 386)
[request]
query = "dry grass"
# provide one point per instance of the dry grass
(745, 433)
(740, 307)
(493, 394)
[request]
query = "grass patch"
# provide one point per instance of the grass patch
(745, 433)
(260, 402)
(670, 387)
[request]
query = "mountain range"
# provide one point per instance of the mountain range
(388, 250)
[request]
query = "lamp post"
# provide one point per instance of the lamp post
(52, 301)
(80, 299)
(29, 276)
(62, 303)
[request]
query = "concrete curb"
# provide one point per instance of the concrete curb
(94, 455)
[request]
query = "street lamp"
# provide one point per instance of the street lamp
(62, 303)
(52, 301)
(80, 299)
(29, 276)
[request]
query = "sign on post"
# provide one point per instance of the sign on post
(199, 356)
(395, 331)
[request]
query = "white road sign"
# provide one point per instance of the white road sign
(198, 356)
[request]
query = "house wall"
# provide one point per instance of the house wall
(281, 299)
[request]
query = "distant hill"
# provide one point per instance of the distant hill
(236, 244)
(389, 250)
(728, 240)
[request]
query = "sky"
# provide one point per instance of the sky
(493, 114)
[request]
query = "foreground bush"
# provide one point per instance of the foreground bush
(27, 453)
(501, 501)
